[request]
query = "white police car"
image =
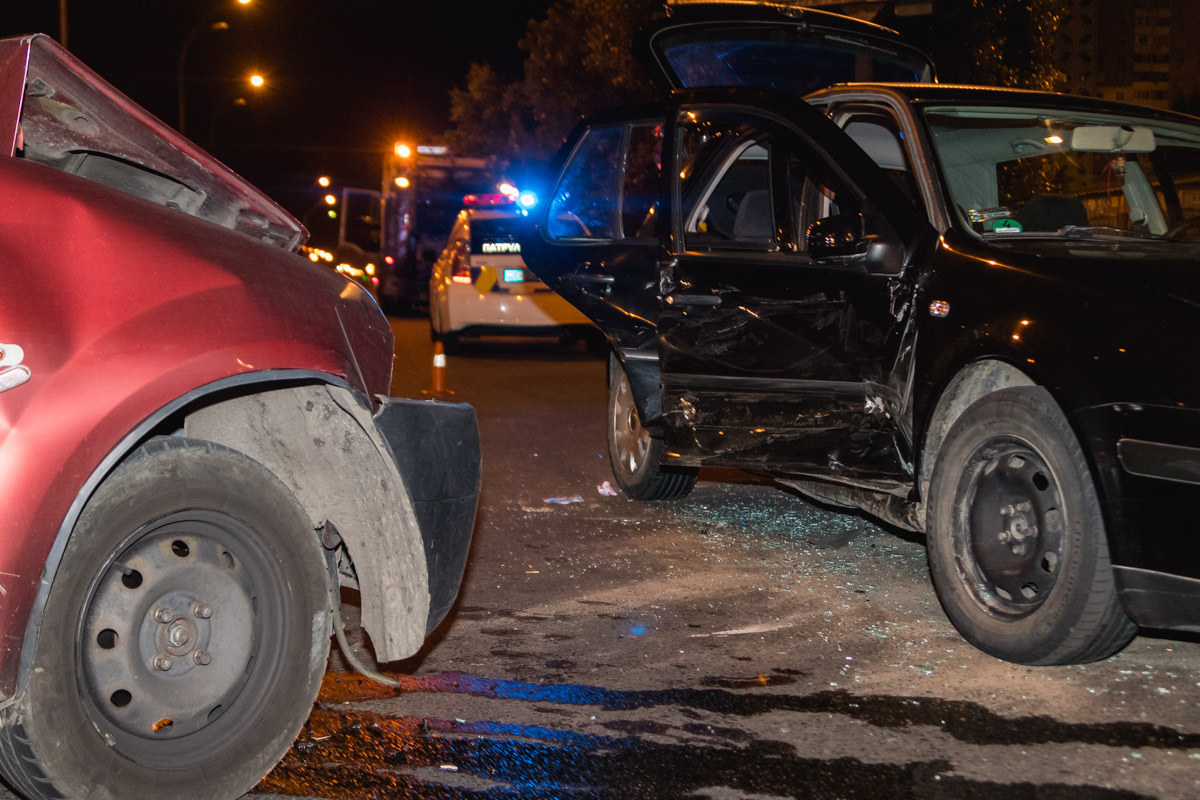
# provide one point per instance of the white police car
(479, 285)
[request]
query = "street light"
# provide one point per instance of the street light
(257, 81)
(202, 27)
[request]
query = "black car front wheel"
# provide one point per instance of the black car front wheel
(183, 640)
(636, 455)
(1017, 545)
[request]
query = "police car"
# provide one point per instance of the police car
(479, 285)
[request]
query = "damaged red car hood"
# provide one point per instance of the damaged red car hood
(57, 112)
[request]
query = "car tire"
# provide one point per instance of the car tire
(184, 639)
(1016, 541)
(636, 456)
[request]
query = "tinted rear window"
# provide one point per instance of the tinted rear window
(782, 60)
(494, 236)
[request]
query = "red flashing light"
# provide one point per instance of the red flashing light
(389, 260)
(487, 200)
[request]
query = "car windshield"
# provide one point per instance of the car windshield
(1024, 172)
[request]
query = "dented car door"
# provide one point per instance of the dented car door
(772, 354)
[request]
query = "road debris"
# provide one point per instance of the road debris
(606, 489)
(562, 501)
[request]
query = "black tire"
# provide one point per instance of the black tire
(184, 638)
(1016, 541)
(636, 456)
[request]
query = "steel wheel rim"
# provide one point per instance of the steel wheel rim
(631, 442)
(1013, 522)
(181, 639)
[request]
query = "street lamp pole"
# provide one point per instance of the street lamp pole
(199, 29)
(195, 33)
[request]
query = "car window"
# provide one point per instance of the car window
(495, 236)
(878, 134)
(1062, 172)
(815, 193)
(725, 183)
(610, 186)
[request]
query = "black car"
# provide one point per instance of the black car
(960, 309)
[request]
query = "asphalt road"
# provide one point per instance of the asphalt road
(738, 643)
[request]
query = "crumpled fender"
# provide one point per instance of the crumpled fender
(325, 445)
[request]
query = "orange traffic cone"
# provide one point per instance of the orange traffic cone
(437, 381)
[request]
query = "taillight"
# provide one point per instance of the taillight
(460, 270)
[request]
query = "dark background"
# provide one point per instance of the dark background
(344, 79)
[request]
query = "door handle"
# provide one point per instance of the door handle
(694, 300)
(589, 279)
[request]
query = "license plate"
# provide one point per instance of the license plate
(514, 276)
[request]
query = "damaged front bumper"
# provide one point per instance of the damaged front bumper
(436, 449)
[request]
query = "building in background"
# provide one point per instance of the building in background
(1144, 52)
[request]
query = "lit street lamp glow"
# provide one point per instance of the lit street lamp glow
(330, 200)
(323, 181)
(402, 182)
(257, 81)
(403, 150)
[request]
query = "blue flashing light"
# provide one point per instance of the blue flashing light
(527, 199)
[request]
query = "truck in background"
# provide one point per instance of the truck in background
(423, 189)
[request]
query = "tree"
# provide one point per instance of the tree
(480, 114)
(999, 42)
(579, 59)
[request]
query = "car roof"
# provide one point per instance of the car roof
(964, 94)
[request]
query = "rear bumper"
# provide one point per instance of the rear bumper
(465, 308)
(436, 449)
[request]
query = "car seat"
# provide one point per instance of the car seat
(753, 220)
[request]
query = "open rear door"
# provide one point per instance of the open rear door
(773, 46)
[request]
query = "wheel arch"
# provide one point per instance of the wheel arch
(391, 630)
(971, 382)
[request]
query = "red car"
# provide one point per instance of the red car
(196, 449)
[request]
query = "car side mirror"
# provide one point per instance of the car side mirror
(843, 238)
(839, 236)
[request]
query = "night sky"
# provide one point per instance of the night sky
(345, 77)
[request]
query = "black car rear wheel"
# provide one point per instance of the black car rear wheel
(183, 640)
(636, 455)
(1017, 546)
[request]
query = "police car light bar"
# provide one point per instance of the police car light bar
(487, 200)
